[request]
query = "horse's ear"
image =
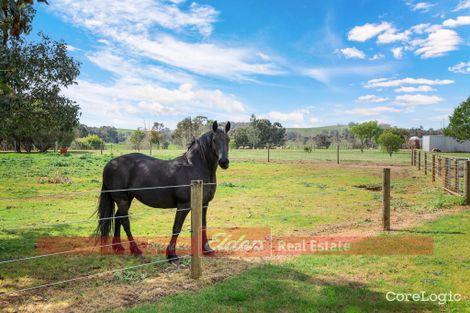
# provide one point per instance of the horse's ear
(227, 127)
(215, 126)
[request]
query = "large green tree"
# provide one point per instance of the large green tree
(34, 111)
(459, 122)
(366, 132)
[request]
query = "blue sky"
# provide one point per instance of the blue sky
(303, 63)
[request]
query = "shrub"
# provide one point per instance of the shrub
(89, 142)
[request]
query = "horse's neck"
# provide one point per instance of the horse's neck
(197, 156)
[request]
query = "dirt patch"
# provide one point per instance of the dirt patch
(369, 187)
(105, 294)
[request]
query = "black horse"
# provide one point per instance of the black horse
(136, 170)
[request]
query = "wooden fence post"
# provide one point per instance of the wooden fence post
(419, 160)
(412, 156)
(268, 153)
(425, 163)
(102, 143)
(196, 228)
(337, 154)
(433, 168)
(386, 198)
(466, 180)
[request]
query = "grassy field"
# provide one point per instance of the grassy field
(316, 283)
(297, 193)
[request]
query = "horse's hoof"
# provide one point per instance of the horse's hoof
(208, 252)
(136, 251)
(173, 259)
(119, 249)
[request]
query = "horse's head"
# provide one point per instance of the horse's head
(220, 142)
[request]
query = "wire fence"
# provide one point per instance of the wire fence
(70, 251)
(451, 172)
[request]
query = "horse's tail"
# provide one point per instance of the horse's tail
(105, 214)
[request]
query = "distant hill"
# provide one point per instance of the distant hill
(313, 131)
(124, 131)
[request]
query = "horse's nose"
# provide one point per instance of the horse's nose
(224, 163)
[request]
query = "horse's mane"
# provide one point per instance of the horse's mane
(203, 143)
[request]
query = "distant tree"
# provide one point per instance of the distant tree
(390, 142)
(239, 137)
(322, 141)
(459, 122)
(268, 133)
(136, 138)
(366, 131)
(157, 135)
(189, 128)
(253, 136)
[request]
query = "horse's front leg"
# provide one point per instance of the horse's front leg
(181, 213)
(206, 249)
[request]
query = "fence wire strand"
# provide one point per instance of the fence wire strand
(98, 191)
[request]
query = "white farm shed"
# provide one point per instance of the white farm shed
(445, 144)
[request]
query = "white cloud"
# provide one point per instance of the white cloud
(313, 120)
(421, 6)
(326, 74)
(373, 111)
(438, 43)
(459, 21)
(351, 53)
(463, 4)
(385, 82)
(461, 68)
(423, 88)
(367, 31)
(289, 117)
(377, 56)
(392, 35)
(420, 28)
(72, 48)
(138, 28)
(397, 52)
(371, 99)
(416, 100)
(139, 91)
(135, 16)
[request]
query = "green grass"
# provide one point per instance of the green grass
(345, 283)
(346, 155)
(299, 192)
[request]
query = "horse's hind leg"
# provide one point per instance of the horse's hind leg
(117, 246)
(123, 207)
